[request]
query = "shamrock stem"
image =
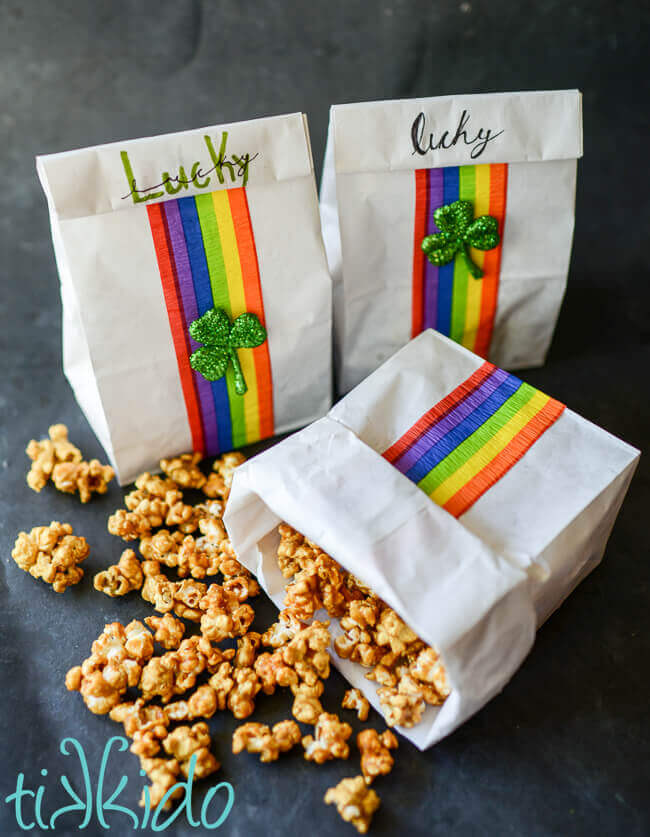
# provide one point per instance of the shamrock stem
(240, 381)
(474, 269)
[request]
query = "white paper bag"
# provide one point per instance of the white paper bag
(150, 235)
(390, 165)
(530, 492)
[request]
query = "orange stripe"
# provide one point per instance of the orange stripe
(492, 260)
(503, 461)
(432, 416)
(417, 315)
(176, 322)
(254, 304)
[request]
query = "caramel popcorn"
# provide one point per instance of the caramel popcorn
(131, 525)
(329, 740)
(168, 631)
(220, 480)
(241, 699)
(376, 759)
(306, 706)
(115, 663)
(269, 743)
(148, 487)
(175, 672)
(52, 553)
(355, 802)
(163, 775)
(202, 703)
(223, 614)
(183, 597)
(184, 516)
(184, 470)
(400, 709)
(119, 579)
(146, 725)
(86, 478)
(410, 673)
(49, 452)
(185, 742)
(353, 699)
(221, 683)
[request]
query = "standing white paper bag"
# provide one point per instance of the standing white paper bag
(152, 234)
(470, 502)
(390, 165)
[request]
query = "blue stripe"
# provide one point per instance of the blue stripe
(450, 441)
(204, 301)
(451, 191)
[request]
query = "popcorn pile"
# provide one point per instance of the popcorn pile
(162, 684)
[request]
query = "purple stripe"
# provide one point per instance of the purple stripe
(451, 420)
(186, 286)
(434, 200)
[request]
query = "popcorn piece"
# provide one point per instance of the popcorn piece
(185, 742)
(146, 725)
(400, 709)
(184, 516)
(220, 480)
(269, 743)
(183, 597)
(428, 668)
(168, 631)
(353, 699)
(87, 478)
(49, 452)
(355, 802)
(175, 672)
(376, 759)
(148, 487)
(119, 579)
(52, 553)
(329, 740)
(184, 470)
(282, 631)
(241, 699)
(130, 525)
(202, 703)
(222, 683)
(306, 706)
(163, 774)
(183, 552)
(115, 664)
(223, 615)
(295, 552)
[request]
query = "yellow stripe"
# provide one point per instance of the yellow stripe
(475, 286)
(238, 306)
(446, 490)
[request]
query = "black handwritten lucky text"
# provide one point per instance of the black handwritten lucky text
(423, 143)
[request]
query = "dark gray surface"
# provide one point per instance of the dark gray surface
(565, 749)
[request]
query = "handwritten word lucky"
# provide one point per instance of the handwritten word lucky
(235, 166)
(422, 144)
(29, 804)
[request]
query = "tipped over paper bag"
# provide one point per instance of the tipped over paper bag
(470, 502)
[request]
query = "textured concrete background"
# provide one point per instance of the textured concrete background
(566, 748)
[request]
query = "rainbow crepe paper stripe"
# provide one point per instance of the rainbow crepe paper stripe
(207, 258)
(459, 449)
(449, 299)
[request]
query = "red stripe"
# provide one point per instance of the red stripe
(421, 198)
(438, 412)
(465, 497)
(254, 304)
(174, 305)
(492, 260)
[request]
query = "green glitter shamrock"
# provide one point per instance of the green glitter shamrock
(221, 340)
(458, 230)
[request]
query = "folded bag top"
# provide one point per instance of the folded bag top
(454, 213)
(192, 270)
(469, 501)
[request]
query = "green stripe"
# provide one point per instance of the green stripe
(466, 192)
(451, 463)
(221, 299)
